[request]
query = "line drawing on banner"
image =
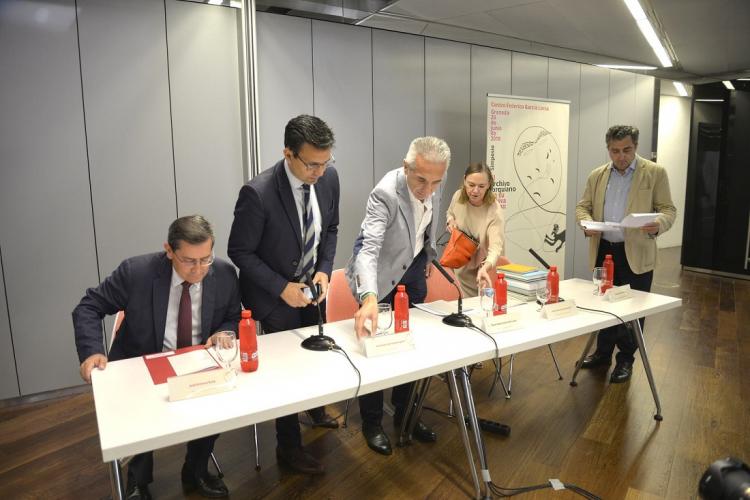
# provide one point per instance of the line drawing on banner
(538, 213)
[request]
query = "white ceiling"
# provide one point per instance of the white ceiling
(711, 38)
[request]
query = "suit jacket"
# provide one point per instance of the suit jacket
(266, 238)
(384, 248)
(140, 287)
(649, 192)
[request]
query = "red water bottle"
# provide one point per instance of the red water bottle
(401, 310)
(248, 343)
(553, 285)
(609, 267)
(501, 294)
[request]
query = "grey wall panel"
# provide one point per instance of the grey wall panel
(565, 83)
(8, 376)
(46, 230)
(644, 112)
(621, 98)
(490, 73)
(447, 97)
(529, 75)
(592, 152)
(398, 96)
(285, 82)
(206, 124)
(126, 94)
(342, 67)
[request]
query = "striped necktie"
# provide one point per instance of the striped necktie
(308, 230)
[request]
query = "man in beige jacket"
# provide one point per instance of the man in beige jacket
(628, 184)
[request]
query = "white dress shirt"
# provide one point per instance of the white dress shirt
(173, 309)
(422, 217)
(299, 201)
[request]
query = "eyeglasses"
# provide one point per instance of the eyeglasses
(204, 262)
(317, 166)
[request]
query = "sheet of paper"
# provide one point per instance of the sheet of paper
(638, 220)
(441, 308)
(192, 362)
(594, 225)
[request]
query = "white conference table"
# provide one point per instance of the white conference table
(135, 416)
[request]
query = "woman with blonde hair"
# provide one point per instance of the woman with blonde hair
(475, 210)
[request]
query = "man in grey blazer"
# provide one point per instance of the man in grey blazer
(395, 245)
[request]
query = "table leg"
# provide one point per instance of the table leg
(115, 477)
(585, 352)
(472, 411)
(403, 438)
(638, 333)
(459, 412)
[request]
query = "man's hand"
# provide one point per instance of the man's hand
(483, 278)
(650, 228)
(93, 361)
(294, 296)
(369, 310)
(322, 278)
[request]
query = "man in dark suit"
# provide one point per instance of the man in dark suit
(171, 299)
(283, 238)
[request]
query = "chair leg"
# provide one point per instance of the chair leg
(554, 360)
(216, 464)
(499, 376)
(585, 352)
(257, 449)
(346, 413)
(510, 376)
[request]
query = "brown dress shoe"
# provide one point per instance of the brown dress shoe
(320, 418)
(298, 460)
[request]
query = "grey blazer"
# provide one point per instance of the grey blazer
(384, 247)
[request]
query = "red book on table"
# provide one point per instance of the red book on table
(159, 366)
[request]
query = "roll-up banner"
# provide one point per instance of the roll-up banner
(527, 151)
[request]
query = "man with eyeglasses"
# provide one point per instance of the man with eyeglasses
(283, 238)
(171, 299)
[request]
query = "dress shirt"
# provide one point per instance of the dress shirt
(422, 217)
(616, 200)
(299, 202)
(173, 308)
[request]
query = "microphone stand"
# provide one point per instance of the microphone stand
(319, 342)
(458, 318)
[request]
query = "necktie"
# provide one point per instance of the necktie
(308, 230)
(185, 318)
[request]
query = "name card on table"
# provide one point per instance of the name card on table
(387, 344)
(195, 385)
(502, 322)
(559, 310)
(618, 293)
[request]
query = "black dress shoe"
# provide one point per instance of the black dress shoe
(208, 485)
(298, 460)
(621, 373)
(320, 418)
(377, 439)
(596, 360)
(137, 492)
(421, 432)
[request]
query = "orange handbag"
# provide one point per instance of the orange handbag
(459, 249)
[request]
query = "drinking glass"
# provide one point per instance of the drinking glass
(542, 295)
(598, 277)
(225, 348)
(487, 300)
(385, 318)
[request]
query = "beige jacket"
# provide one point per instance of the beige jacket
(649, 193)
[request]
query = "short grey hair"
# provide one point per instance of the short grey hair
(192, 229)
(431, 149)
(620, 132)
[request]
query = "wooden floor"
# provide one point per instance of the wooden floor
(600, 437)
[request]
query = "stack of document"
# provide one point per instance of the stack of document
(632, 220)
(524, 281)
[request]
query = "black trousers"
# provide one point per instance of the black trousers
(282, 318)
(371, 405)
(620, 335)
(141, 466)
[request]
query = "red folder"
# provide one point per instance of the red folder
(159, 366)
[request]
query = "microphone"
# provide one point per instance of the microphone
(539, 258)
(457, 318)
(319, 342)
